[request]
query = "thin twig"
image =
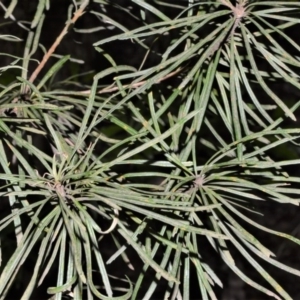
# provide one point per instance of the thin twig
(78, 13)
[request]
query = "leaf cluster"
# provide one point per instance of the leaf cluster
(160, 159)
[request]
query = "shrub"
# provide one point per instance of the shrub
(121, 180)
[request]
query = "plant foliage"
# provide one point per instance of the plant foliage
(170, 152)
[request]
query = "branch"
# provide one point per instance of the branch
(78, 13)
